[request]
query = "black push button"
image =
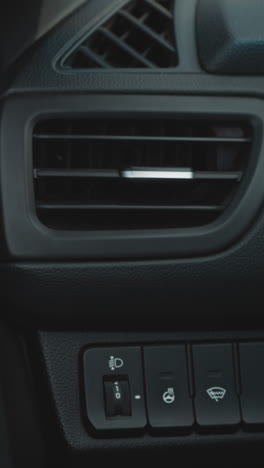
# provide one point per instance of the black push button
(252, 382)
(107, 370)
(216, 400)
(168, 399)
(117, 398)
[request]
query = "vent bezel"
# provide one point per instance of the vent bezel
(27, 238)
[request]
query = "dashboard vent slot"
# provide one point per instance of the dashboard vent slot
(138, 35)
(92, 174)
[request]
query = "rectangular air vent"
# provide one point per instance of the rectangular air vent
(137, 35)
(147, 173)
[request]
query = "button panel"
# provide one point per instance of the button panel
(164, 387)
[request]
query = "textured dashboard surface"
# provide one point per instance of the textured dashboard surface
(39, 17)
(37, 71)
(220, 292)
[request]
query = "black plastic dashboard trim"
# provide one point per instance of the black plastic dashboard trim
(36, 73)
(28, 239)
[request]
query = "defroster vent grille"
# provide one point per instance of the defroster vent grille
(138, 35)
(92, 174)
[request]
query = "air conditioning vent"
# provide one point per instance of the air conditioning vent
(139, 35)
(137, 174)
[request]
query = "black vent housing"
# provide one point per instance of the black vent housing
(138, 35)
(92, 174)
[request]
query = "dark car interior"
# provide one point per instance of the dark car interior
(131, 233)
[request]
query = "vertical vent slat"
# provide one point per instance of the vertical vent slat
(160, 6)
(130, 51)
(91, 55)
(147, 30)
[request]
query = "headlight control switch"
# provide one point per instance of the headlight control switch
(117, 398)
(114, 391)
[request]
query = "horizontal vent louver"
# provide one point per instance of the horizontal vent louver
(139, 35)
(137, 174)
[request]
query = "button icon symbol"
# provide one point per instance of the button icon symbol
(115, 363)
(216, 393)
(169, 396)
(117, 391)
